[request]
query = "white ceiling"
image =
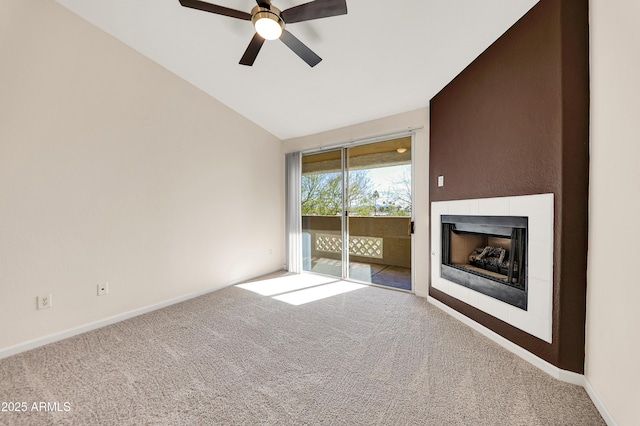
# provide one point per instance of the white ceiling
(380, 59)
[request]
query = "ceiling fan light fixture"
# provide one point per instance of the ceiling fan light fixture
(268, 23)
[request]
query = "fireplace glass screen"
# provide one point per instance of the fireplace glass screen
(487, 254)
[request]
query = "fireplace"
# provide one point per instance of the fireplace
(487, 254)
(529, 294)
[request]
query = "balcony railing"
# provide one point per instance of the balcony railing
(358, 246)
(380, 240)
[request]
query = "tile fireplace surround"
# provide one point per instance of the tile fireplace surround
(537, 319)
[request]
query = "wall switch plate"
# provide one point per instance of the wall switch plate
(440, 180)
(103, 289)
(45, 301)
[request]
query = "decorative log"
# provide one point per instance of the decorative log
(493, 256)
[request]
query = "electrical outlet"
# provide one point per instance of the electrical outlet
(44, 302)
(103, 289)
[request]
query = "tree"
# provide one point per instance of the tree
(375, 196)
(398, 198)
(322, 194)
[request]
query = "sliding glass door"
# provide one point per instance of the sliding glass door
(356, 213)
(322, 212)
(379, 213)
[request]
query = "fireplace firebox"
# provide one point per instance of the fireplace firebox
(487, 254)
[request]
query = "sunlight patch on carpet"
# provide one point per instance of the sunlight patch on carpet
(317, 293)
(285, 284)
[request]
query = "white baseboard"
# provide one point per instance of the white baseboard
(552, 370)
(604, 412)
(55, 337)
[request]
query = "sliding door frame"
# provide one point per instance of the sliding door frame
(343, 147)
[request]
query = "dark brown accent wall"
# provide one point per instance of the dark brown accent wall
(516, 122)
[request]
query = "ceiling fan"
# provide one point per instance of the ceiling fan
(269, 23)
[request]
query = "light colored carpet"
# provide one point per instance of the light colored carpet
(366, 357)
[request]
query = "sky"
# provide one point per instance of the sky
(384, 179)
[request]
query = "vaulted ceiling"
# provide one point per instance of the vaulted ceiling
(380, 59)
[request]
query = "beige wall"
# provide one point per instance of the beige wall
(613, 314)
(414, 119)
(114, 170)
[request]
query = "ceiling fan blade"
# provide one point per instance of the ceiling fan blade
(314, 10)
(300, 49)
(252, 50)
(218, 10)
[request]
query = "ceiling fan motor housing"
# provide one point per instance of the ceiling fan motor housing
(266, 21)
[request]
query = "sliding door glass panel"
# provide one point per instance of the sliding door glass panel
(379, 213)
(322, 212)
